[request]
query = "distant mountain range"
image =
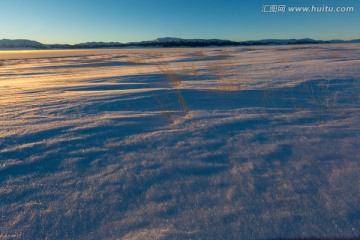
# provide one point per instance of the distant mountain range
(164, 42)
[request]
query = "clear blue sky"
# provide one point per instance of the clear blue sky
(74, 21)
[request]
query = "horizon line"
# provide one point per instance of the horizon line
(139, 41)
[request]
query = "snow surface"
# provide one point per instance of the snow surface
(215, 143)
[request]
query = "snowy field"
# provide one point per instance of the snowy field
(213, 143)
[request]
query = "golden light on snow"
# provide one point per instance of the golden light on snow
(179, 143)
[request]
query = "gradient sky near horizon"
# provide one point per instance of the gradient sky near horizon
(75, 21)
